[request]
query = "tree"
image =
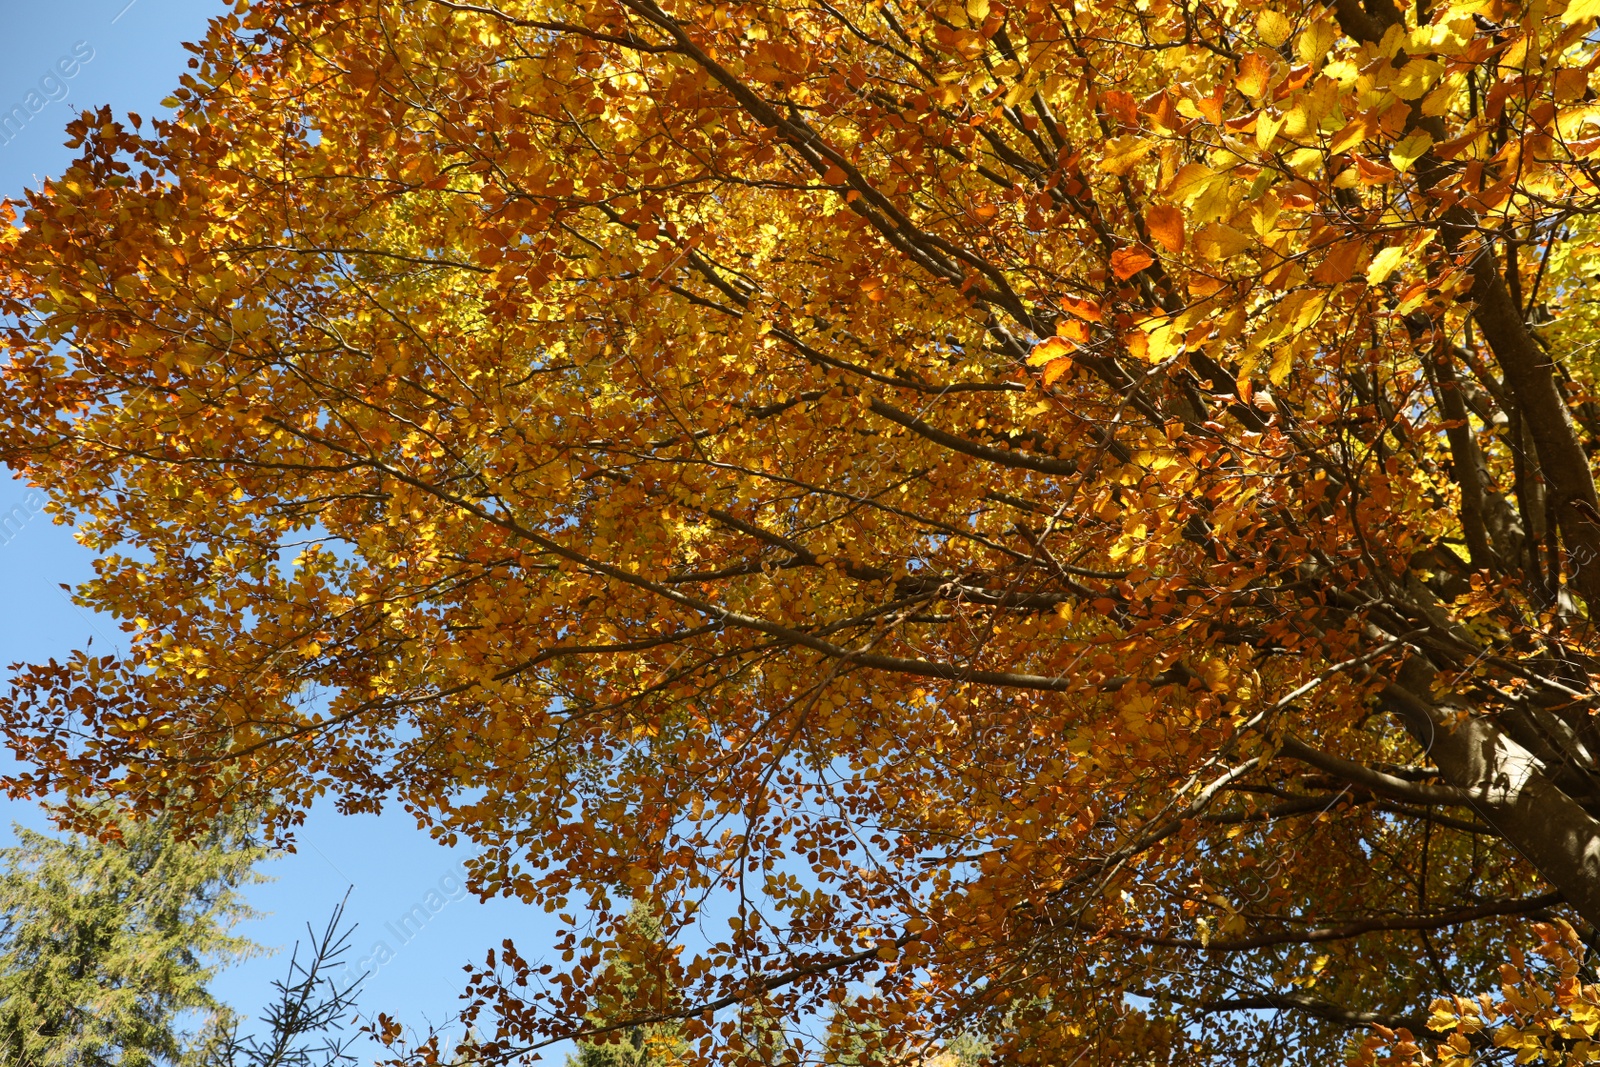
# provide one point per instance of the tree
(1074, 521)
(109, 945)
(107, 948)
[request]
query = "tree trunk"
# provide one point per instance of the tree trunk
(1510, 788)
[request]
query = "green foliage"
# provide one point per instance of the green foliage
(107, 947)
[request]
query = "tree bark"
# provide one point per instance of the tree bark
(1509, 787)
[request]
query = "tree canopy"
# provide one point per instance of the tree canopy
(1072, 521)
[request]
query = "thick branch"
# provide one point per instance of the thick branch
(1376, 781)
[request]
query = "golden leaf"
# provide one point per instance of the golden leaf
(1255, 73)
(1218, 241)
(1267, 127)
(1124, 153)
(1273, 27)
(1048, 349)
(1405, 153)
(1580, 11)
(1384, 264)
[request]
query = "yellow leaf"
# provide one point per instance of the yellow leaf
(1352, 134)
(1217, 201)
(1048, 349)
(1315, 41)
(1267, 128)
(1571, 121)
(1282, 364)
(1165, 341)
(1219, 241)
(1408, 151)
(1299, 120)
(1273, 28)
(1384, 264)
(1580, 11)
(1020, 92)
(1124, 153)
(1255, 73)
(1416, 78)
(1310, 311)
(1190, 181)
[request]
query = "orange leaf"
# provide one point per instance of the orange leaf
(1055, 369)
(1163, 116)
(1120, 106)
(1048, 349)
(1373, 173)
(1165, 223)
(835, 175)
(1072, 330)
(1254, 75)
(1340, 263)
(1087, 310)
(1126, 262)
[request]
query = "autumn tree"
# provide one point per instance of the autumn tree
(1064, 521)
(617, 1042)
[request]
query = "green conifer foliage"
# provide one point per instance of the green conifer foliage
(107, 947)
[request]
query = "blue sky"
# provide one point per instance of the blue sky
(135, 57)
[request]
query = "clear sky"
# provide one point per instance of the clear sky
(135, 57)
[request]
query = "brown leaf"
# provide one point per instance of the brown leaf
(1340, 263)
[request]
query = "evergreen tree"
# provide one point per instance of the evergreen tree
(648, 1045)
(107, 947)
(305, 1021)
